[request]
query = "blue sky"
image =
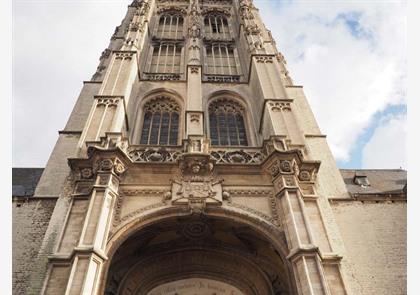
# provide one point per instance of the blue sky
(350, 56)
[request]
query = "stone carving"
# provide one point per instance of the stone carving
(252, 30)
(197, 186)
(196, 165)
(274, 210)
(226, 197)
(245, 7)
(124, 55)
(194, 70)
(264, 59)
(171, 8)
(277, 106)
(144, 192)
(252, 211)
(106, 165)
(250, 192)
(153, 154)
(86, 173)
(99, 71)
(107, 101)
(304, 175)
(111, 165)
(163, 77)
(285, 166)
(195, 118)
(223, 79)
(196, 230)
(194, 30)
(162, 104)
(105, 54)
(237, 157)
(217, 10)
(218, 2)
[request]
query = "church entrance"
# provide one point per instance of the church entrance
(197, 255)
(195, 286)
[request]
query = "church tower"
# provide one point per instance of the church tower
(191, 164)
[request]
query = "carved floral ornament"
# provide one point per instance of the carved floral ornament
(264, 59)
(277, 106)
(195, 118)
(111, 165)
(124, 55)
(107, 101)
(174, 10)
(291, 169)
(216, 10)
(252, 30)
(162, 104)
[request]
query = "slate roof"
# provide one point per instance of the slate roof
(382, 181)
(24, 181)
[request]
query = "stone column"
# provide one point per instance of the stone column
(89, 254)
(304, 255)
(315, 265)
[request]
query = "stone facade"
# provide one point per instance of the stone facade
(191, 160)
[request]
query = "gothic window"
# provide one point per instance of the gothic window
(166, 58)
(220, 60)
(216, 26)
(227, 124)
(170, 26)
(160, 122)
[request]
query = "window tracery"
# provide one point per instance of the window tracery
(227, 123)
(160, 122)
(221, 59)
(170, 26)
(216, 26)
(166, 58)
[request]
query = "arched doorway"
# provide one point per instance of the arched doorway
(197, 254)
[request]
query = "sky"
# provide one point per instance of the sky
(349, 55)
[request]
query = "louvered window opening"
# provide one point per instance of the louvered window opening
(161, 122)
(221, 60)
(227, 126)
(170, 26)
(216, 26)
(166, 58)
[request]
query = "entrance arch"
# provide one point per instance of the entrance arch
(167, 246)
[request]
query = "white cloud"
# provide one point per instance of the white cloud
(347, 77)
(387, 147)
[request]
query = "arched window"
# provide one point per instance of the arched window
(220, 60)
(166, 58)
(160, 122)
(216, 26)
(227, 125)
(170, 26)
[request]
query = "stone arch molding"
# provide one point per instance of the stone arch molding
(162, 213)
(140, 281)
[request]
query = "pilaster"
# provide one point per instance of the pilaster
(308, 241)
(100, 175)
(194, 110)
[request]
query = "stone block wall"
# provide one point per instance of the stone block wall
(30, 218)
(375, 238)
